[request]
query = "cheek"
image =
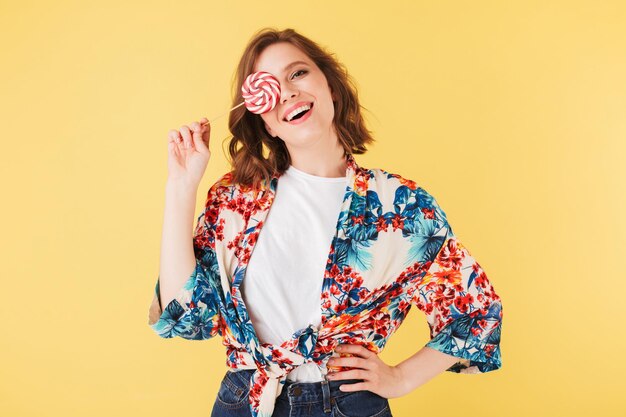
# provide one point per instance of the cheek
(269, 123)
(270, 117)
(330, 109)
(264, 118)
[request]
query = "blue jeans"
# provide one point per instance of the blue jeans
(299, 399)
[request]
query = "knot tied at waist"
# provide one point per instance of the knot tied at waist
(272, 364)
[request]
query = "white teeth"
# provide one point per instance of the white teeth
(298, 110)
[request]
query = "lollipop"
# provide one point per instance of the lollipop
(260, 91)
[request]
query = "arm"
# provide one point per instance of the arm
(423, 366)
(463, 310)
(177, 255)
(186, 297)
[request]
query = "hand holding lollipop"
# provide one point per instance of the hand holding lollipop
(188, 148)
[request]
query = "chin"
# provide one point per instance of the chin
(301, 140)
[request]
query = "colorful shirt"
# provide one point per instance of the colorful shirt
(283, 280)
(393, 249)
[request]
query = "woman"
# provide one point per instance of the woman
(304, 311)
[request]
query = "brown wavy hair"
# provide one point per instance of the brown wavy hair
(246, 153)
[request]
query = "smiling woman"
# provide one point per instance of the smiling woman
(345, 253)
(309, 77)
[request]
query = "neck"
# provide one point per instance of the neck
(321, 162)
(326, 158)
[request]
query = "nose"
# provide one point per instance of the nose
(286, 94)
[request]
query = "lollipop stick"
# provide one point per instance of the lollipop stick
(211, 121)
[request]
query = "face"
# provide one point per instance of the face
(300, 83)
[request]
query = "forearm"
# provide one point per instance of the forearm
(177, 261)
(423, 366)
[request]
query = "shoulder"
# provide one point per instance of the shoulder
(393, 180)
(220, 186)
(405, 192)
(225, 180)
(225, 188)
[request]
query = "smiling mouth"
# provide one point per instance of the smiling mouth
(299, 115)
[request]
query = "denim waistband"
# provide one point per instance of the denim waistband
(308, 392)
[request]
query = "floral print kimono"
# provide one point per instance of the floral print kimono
(393, 249)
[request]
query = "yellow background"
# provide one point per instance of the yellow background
(511, 113)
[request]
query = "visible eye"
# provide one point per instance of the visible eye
(299, 71)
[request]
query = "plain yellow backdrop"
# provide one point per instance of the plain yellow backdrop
(511, 113)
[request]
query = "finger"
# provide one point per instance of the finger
(174, 135)
(357, 386)
(197, 131)
(204, 123)
(185, 132)
(351, 374)
(352, 362)
(176, 139)
(172, 151)
(356, 350)
(206, 134)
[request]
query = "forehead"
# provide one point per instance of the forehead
(277, 56)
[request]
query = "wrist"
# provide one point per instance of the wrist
(180, 185)
(404, 380)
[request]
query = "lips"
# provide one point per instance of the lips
(295, 106)
(303, 118)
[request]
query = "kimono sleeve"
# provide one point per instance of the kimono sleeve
(194, 313)
(463, 311)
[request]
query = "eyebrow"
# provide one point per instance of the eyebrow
(293, 64)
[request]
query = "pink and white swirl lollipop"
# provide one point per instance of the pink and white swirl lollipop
(260, 91)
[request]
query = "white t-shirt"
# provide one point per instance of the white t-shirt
(283, 280)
